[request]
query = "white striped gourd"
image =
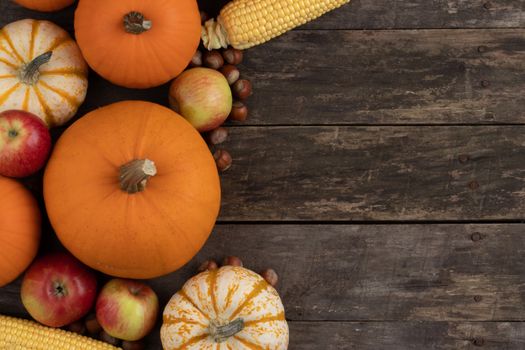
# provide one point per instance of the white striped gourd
(231, 308)
(41, 71)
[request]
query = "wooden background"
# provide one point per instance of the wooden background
(381, 173)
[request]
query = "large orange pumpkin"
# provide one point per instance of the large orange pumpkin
(19, 229)
(132, 190)
(138, 44)
(45, 5)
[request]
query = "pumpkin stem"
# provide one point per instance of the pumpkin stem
(136, 23)
(135, 174)
(221, 333)
(213, 35)
(29, 73)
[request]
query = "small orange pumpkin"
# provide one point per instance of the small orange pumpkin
(138, 44)
(132, 190)
(19, 229)
(45, 5)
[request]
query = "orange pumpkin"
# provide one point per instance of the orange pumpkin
(45, 5)
(19, 229)
(132, 190)
(138, 44)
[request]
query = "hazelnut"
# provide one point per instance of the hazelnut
(105, 337)
(77, 327)
(239, 111)
(270, 276)
(204, 17)
(196, 60)
(213, 60)
(242, 89)
(232, 56)
(223, 159)
(218, 136)
(232, 260)
(92, 325)
(231, 73)
(133, 345)
(208, 265)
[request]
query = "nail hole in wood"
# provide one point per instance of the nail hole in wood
(478, 341)
(475, 237)
(490, 116)
(463, 158)
(482, 49)
(485, 83)
(473, 185)
(487, 5)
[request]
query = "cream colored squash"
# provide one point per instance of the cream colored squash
(231, 308)
(41, 71)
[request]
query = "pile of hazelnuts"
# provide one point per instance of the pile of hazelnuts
(269, 275)
(89, 326)
(225, 61)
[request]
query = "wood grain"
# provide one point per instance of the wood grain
(375, 174)
(400, 336)
(414, 14)
(360, 14)
(371, 272)
(397, 278)
(388, 77)
(407, 336)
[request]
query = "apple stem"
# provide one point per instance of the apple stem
(136, 23)
(221, 333)
(135, 174)
(29, 72)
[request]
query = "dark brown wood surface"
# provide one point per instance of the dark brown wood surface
(412, 335)
(389, 77)
(377, 174)
(362, 14)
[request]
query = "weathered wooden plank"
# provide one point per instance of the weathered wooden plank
(407, 336)
(371, 272)
(362, 14)
(375, 173)
(400, 336)
(387, 272)
(386, 77)
(381, 14)
(389, 77)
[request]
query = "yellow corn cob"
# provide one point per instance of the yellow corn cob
(18, 334)
(246, 23)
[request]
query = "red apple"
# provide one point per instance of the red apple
(202, 96)
(58, 290)
(127, 309)
(25, 143)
